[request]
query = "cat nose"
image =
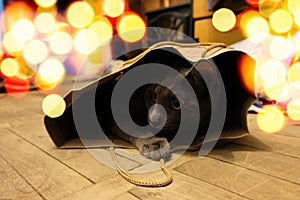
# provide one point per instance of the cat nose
(157, 116)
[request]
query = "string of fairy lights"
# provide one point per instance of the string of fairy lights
(40, 45)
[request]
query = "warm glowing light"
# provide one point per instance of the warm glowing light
(35, 51)
(267, 7)
(61, 43)
(45, 3)
(280, 48)
(245, 17)
(293, 109)
(292, 5)
(293, 74)
(23, 30)
(281, 21)
(80, 14)
(14, 11)
(16, 87)
(224, 20)
(276, 91)
(271, 119)
(104, 30)
(51, 71)
(9, 67)
(114, 8)
(131, 27)
(44, 22)
(297, 17)
(53, 105)
(273, 72)
(246, 70)
(253, 2)
(86, 41)
(12, 45)
(257, 28)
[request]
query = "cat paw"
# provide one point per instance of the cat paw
(154, 148)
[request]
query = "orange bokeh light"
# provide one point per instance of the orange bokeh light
(16, 87)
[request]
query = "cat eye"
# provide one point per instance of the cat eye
(153, 97)
(175, 104)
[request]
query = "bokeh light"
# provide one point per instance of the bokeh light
(86, 41)
(281, 21)
(50, 74)
(61, 43)
(280, 48)
(35, 52)
(277, 91)
(131, 27)
(271, 119)
(267, 7)
(45, 3)
(224, 20)
(9, 67)
(293, 109)
(297, 17)
(44, 22)
(23, 30)
(273, 71)
(292, 5)
(253, 3)
(113, 8)
(16, 87)
(80, 14)
(15, 11)
(53, 105)
(293, 74)
(104, 30)
(11, 45)
(257, 28)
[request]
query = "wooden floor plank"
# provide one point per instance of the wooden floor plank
(237, 179)
(125, 196)
(49, 177)
(277, 165)
(108, 189)
(13, 185)
(81, 160)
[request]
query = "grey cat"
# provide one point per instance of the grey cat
(167, 122)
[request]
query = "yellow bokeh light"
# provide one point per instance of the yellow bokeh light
(297, 17)
(271, 119)
(277, 91)
(273, 72)
(61, 43)
(80, 14)
(86, 41)
(281, 21)
(53, 105)
(224, 20)
(293, 109)
(104, 30)
(131, 28)
(280, 48)
(267, 7)
(257, 28)
(23, 30)
(35, 52)
(45, 3)
(292, 5)
(12, 45)
(293, 74)
(51, 71)
(113, 8)
(44, 22)
(9, 67)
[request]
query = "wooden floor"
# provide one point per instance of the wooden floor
(259, 166)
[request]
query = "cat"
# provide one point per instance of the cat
(168, 121)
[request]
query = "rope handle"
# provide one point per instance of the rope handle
(137, 182)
